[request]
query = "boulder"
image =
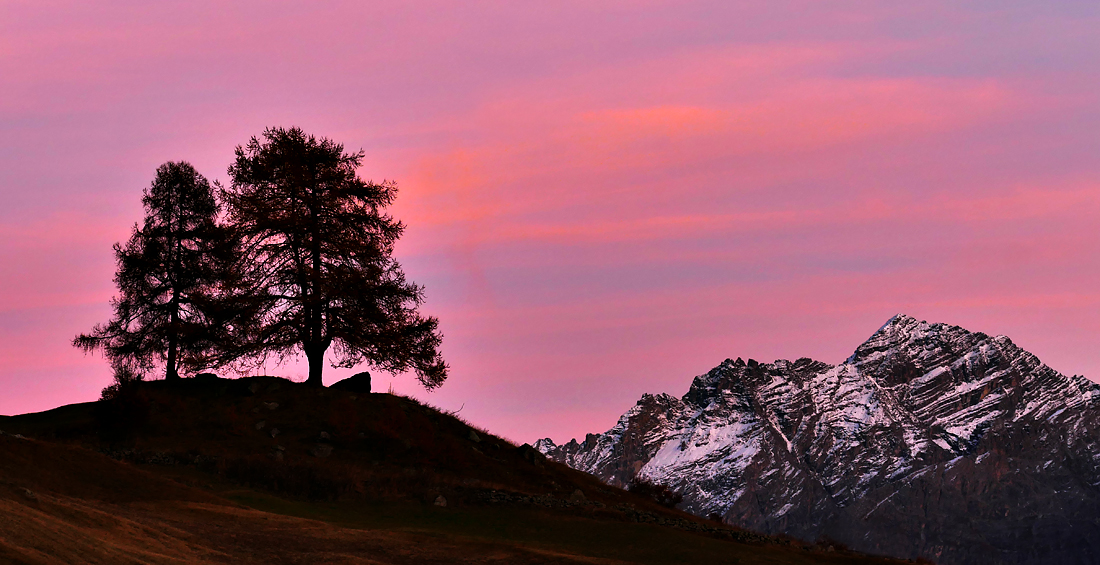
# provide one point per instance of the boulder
(359, 382)
(532, 455)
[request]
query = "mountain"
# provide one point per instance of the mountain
(265, 470)
(930, 441)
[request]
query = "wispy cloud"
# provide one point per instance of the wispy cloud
(600, 197)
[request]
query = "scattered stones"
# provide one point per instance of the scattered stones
(547, 501)
(577, 496)
(440, 501)
(278, 455)
(280, 448)
(207, 461)
(325, 436)
(256, 410)
(271, 405)
(30, 494)
(274, 432)
(474, 437)
(19, 436)
(321, 450)
(260, 425)
(149, 457)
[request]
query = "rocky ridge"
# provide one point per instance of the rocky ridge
(929, 441)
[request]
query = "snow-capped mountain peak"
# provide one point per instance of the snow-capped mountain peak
(809, 449)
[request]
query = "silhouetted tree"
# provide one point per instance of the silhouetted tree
(126, 377)
(319, 253)
(166, 276)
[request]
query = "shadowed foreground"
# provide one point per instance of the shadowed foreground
(204, 482)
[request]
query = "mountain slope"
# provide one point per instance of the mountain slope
(929, 441)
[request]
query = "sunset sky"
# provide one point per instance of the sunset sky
(602, 199)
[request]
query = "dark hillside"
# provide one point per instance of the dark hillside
(266, 470)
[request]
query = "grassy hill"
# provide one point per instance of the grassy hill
(264, 470)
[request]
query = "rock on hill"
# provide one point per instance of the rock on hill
(929, 441)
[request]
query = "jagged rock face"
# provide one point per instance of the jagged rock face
(929, 441)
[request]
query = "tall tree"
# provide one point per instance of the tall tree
(166, 275)
(320, 251)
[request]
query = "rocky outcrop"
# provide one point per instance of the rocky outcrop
(359, 382)
(929, 441)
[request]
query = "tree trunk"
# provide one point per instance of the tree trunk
(316, 358)
(315, 351)
(171, 373)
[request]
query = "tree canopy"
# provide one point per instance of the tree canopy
(318, 268)
(166, 275)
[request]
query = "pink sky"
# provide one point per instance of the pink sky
(602, 200)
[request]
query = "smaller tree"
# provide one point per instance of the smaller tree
(167, 277)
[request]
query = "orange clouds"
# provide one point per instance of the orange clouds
(625, 173)
(804, 117)
(601, 198)
(730, 123)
